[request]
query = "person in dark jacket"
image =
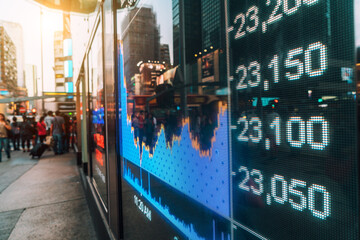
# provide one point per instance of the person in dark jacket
(26, 133)
(15, 128)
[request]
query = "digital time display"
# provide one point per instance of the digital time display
(293, 118)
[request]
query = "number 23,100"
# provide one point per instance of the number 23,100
(253, 131)
(282, 192)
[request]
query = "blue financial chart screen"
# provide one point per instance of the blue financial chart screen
(267, 149)
(293, 118)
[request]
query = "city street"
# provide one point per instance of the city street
(43, 199)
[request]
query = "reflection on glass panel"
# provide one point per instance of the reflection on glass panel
(293, 118)
(96, 116)
(174, 121)
(238, 120)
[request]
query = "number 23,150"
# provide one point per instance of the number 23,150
(298, 62)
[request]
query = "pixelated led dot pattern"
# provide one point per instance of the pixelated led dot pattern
(203, 178)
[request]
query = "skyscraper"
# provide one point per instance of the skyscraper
(15, 32)
(165, 55)
(213, 24)
(8, 64)
(187, 35)
(136, 47)
(198, 38)
(31, 79)
(59, 62)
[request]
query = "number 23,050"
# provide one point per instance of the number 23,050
(282, 192)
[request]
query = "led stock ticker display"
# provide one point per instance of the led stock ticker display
(303, 133)
(272, 157)
(288, 177)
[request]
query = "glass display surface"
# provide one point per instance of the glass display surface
(97, 134)
(293, 118)
(238, 119)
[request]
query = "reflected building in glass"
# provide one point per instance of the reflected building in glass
(141, 39)
(199, 43)
(213, 24)
(165, 55)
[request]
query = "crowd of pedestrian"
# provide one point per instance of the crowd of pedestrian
(17, 136)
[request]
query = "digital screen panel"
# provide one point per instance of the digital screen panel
(161, 181)
(294, 156)
(268, 150)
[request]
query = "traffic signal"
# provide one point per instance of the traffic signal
(33, 110)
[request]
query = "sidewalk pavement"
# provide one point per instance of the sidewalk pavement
(43, 199)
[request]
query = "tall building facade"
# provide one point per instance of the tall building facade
(198, 41)
(31, 79)
(63, 69)
(15, 32)
(67, 54)
(187, 37)
(165, 55)
(213, 24)
(136, 47)
(59, 62)
(8, 64)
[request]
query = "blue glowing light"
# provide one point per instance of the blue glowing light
(68, 69)
(186, 228)
(67, 46)
(69, 87)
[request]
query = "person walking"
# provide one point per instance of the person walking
(4, 141)
(15, 128)
(48, 121)
(57, 131)
(41, 129)
(34, 132)
(26, 133)
(10, 135)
